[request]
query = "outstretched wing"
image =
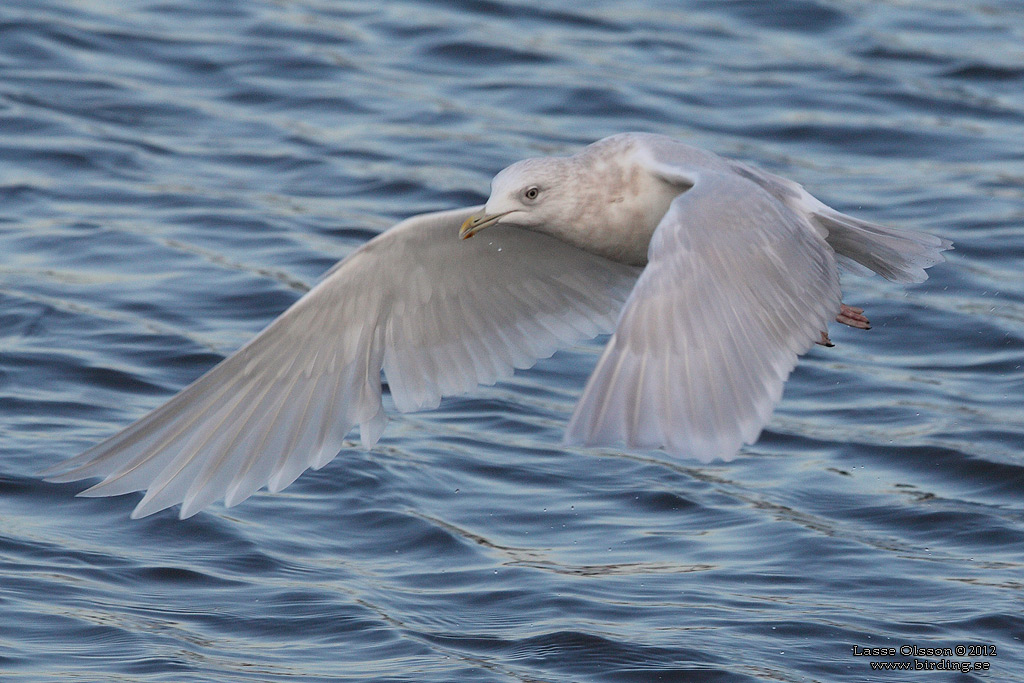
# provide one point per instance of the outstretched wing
(437, 313)
(737, 286)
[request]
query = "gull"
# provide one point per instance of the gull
(712, 277)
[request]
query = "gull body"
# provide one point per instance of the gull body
(712, 275)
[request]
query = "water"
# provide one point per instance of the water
(175, 173)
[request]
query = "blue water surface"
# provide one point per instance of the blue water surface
(174, 173)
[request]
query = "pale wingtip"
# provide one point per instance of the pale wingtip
(94, 491)
(150, 505)
(141, 511)
(139, 514)
(371, 430)
(190, 507)
(233, 496)
(53, 475)
(186, 512)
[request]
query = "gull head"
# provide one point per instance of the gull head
(530, 194)
(607, 199)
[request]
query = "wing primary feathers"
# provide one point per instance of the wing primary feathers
(285, 402)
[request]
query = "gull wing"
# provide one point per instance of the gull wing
(438, 314)
(737, 286)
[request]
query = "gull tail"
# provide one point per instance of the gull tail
(897, 255)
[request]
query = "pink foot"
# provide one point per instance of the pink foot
(848, 315)
(853, 316)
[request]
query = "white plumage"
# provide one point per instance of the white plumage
(713, 275)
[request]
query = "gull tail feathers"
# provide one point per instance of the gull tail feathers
(897, 255)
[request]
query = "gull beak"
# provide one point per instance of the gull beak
(479, 221)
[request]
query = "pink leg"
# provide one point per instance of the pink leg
(848, 315)
(853, 316)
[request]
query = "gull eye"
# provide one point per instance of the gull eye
(532, 192)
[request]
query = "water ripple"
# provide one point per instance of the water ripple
(175, 174)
